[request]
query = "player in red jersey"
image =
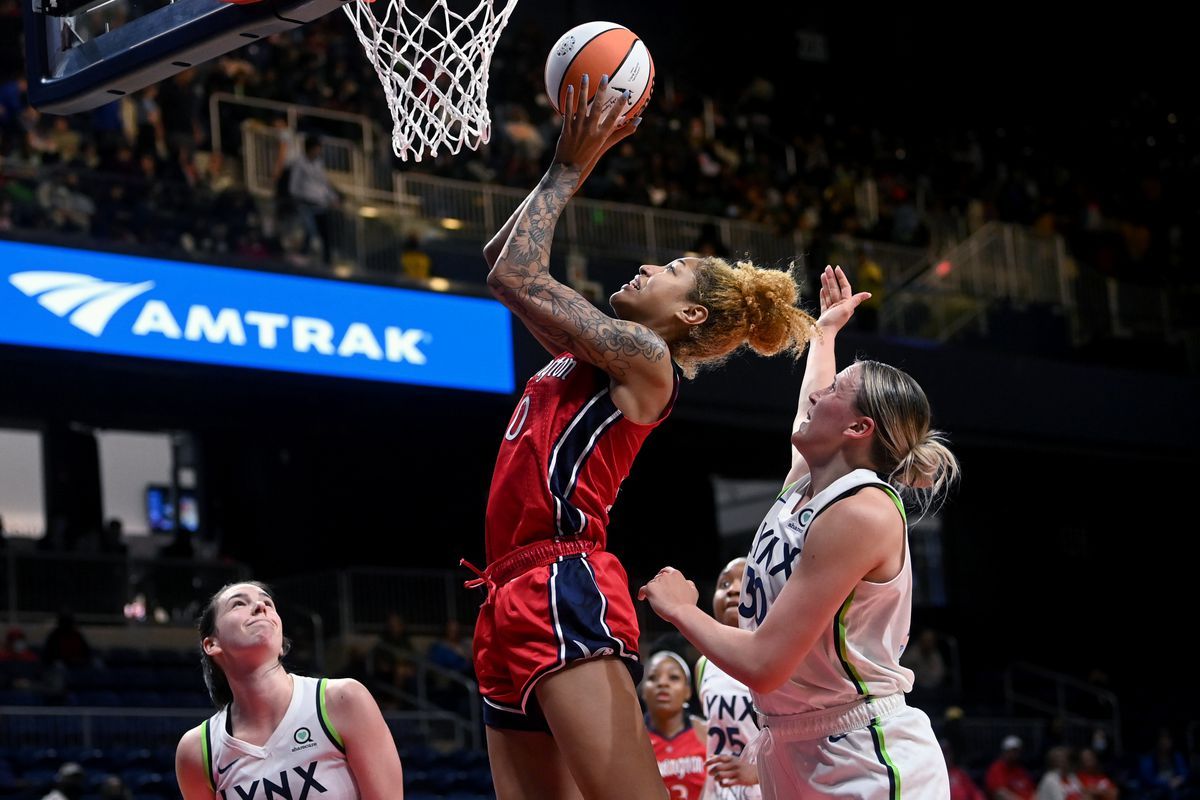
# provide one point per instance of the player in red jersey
(678, 748)
(556, 640)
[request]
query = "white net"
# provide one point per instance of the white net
(432, 57)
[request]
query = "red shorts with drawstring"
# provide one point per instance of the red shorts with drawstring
(549, 605)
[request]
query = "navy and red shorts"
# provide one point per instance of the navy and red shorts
(549, 605)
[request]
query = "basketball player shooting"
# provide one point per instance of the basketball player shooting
(558, 624)
(556, 639)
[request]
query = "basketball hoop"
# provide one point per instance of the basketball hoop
(433, 63)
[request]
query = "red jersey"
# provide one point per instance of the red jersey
(1013, 777)
(565, 452)
(1096, 783)
(962, 787)
(680, 762)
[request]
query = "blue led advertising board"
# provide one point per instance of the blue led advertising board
(87, 301)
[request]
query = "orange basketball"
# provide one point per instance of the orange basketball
(597, 49)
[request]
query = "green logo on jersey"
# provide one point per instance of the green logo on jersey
(302, 735)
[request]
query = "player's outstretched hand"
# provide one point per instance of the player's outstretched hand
(838, 300)
(588, 129)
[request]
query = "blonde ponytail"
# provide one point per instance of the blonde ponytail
(912, 456)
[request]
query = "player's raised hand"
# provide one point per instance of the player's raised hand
(838, 300)
(588, 127)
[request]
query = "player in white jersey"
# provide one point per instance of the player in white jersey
(826, 597)
(730, 721)
(278, 734)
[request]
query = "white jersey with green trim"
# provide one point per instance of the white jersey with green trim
(858, 656)
(303, 759)
(730, 722)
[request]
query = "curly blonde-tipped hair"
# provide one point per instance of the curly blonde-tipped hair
(746, 305)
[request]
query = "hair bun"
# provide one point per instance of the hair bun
(773, 323)
(747, 305)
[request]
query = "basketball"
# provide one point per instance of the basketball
(596, 49)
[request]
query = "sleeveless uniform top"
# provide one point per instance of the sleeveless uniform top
(859, 655)
(731, 723)
(680, 762)
(565, 452)
(304, 759)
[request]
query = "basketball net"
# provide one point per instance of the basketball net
(433, 63)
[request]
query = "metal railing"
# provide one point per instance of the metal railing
(306, 630)
(898, 262)
(1108, 307)
(359, 601)
(935, 294)
(352, 165)
(349, 169)
(945, 295)
(231, 111)
(1061, 696)
(953, 291)
(87, 727)
(81, 726)
(980, 738)
(473, 211)
(597, 227)
(468, 729)
(96, 588)
(366, 233)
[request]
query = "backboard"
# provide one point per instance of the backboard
(82, 54)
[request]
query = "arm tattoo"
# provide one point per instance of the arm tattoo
(552, 311)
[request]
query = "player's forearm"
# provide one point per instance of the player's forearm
(492, 249)
(819, 370)
(733, 650)
(527, 249)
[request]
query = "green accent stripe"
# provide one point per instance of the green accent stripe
(896, 499)
(839, 621)
(701, 663)
(323, 714)
(206, 751)
(839, 642)
(882, 754)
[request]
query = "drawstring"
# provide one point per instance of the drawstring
(482, 580)
(523, 559)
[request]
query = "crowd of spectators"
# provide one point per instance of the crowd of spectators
(144, 170)
(1063, 772)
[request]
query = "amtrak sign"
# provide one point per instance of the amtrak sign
(99, 302)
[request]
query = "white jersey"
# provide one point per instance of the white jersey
(731, 724)
(859, 655)
(304, 759)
